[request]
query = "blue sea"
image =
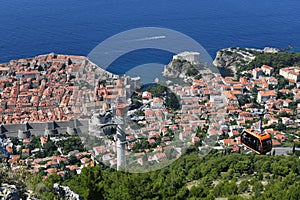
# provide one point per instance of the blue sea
(34, 27)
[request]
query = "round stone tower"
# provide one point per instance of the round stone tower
(23, 134)
(49, 130)
(71, 131)
(2, 134)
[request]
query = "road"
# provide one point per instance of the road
(283, 150)
(278, 150)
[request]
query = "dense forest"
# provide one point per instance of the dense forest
(275, 60)
(235, 176)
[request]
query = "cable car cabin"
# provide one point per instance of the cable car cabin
(260, 143)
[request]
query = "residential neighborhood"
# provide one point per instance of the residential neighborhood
(213, 112)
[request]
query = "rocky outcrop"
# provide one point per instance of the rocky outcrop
(184, 66)
(271, 50)
(182, 69)
(12, 185)
(177, 69)
(231, 58)
(9, 192)
(65, 192)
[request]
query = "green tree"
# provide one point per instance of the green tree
(257, 188)
(72, 160)
(243, 186)
(89, 184)
(50, 148)
(172, 101)
(157, 90)
(198, 77)
(192, 71)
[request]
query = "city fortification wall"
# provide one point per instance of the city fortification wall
(71, 127)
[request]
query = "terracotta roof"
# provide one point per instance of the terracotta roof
(268, 93)
(267, 67)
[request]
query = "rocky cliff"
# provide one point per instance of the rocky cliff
(9, 192)
(231, 58)
(184, 70)
(177, 69)
(65, 192)
(12, 186)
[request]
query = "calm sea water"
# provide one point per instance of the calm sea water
(33, 27)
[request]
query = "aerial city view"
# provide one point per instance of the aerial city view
(149, 100)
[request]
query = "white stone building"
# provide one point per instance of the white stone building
(291, 73)
(192, 57)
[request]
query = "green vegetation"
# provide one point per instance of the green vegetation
(157, 90)
(172, 101)
(234, 176)
(201, 132)
(191, 71)
(91, 141)
(276, 60)
(35, 143)
(282, 82)
(198, 76)
(136, 101)
(285, 96)
(12, 178)
(142, 145)
(50, 149)
(185, 68)
(139, 113)
(70, 144)
(103, 82)
(245, 99)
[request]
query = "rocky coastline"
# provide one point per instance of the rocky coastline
(231, 58)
